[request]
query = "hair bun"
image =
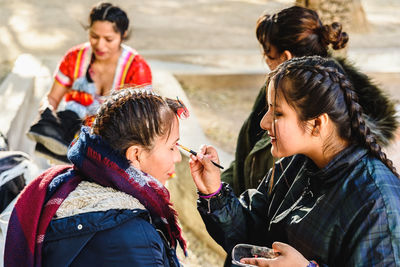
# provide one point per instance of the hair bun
(332, 34)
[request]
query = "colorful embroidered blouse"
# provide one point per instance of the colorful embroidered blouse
(131, 69)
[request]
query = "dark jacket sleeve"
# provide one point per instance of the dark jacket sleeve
(231, 220)
(370, 242)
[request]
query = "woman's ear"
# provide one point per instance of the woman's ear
(319, 124)
(287, 55)
(133, 154)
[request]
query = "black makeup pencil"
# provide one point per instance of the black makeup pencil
(195, 153)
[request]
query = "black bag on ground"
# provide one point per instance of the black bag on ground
(13, 168)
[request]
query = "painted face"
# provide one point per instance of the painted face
(283, 126)
(105, 41)
(160, 161)
(273, 58)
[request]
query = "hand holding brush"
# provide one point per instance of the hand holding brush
(195, 153)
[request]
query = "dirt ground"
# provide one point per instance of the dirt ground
(215, 33)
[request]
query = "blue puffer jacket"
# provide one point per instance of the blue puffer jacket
(123, 237)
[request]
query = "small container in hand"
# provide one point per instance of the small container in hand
(250, 251)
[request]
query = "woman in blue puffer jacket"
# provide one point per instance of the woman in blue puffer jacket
(111, 207)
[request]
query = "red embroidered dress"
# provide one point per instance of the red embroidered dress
(131, 69)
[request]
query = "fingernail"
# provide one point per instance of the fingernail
(200, 156)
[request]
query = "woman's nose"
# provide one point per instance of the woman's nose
(100, 43)
(265, 122)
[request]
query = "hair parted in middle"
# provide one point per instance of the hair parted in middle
(112, 13)
(313, 86)
(135, 116)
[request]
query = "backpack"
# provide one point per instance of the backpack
(14, 167)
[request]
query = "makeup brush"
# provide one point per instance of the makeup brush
(195, 153)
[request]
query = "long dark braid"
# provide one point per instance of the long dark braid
(313, 86)
(358, 123)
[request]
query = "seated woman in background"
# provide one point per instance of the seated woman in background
(296, 32)
(332, 198)
(86, 74)
(111, 208)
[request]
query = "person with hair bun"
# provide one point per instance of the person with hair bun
(296, 32)
(85, 76)
(111, 207)
(333, 197)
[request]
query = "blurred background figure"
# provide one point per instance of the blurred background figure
(85, 76)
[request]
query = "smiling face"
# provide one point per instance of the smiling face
(281, 121)
(160, 161)
(105, 41)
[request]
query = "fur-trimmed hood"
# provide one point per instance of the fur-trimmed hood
(380, 111)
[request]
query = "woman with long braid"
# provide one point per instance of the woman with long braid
(331, 200)
(296, 32)
(110, 208)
